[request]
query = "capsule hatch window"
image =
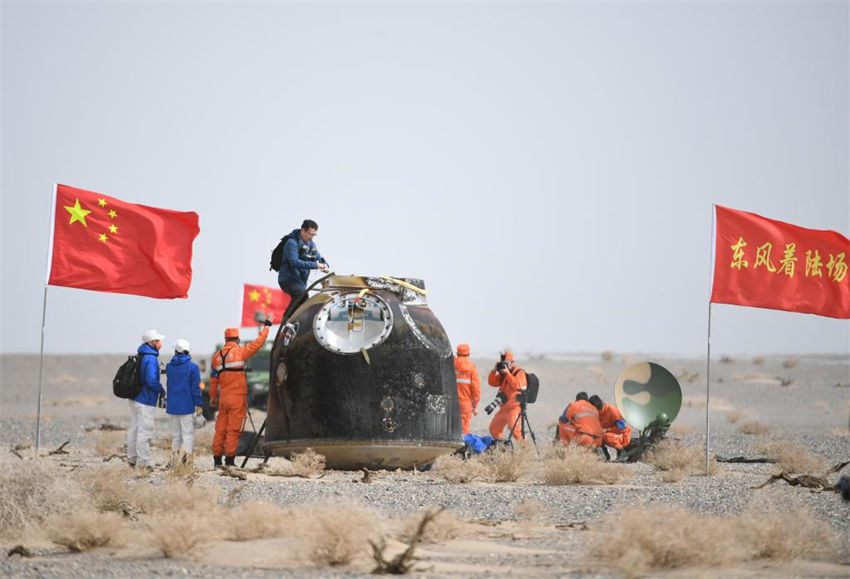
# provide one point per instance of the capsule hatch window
(350, 322)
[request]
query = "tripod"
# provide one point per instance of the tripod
(522, 420)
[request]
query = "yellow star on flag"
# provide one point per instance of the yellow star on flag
(101, 202)
(103, 237)
(112, 213)
(113, 229)
(254, 295)
(78, 213)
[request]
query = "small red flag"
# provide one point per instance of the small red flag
(765, 263)
(101, 243)
(260, 299)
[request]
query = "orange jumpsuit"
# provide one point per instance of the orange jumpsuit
(614, 436)
(508, 384)
(228, 373)
(582, 425)
(468, 389)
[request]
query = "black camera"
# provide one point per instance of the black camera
(500, 399)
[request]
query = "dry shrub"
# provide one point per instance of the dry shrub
(109, 442)
(183, 496)
(508, 465)
(444, 527)
(86, 528)
(334, 534)
(758, 360)
(665, 537)
(660, 537)
(531, 510)
(677, 460)
(576, 464)
(734, 416)
(607, 355)
(681, 430)
(791, 457)
(255, 520)
(33, 490)
(109, 488)
(308, 463)
(790, 363)
(178, 533)
(456, 470)
(180, 464)
(753, 427)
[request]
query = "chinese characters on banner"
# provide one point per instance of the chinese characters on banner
(765, 263)
(103, 244)
(257, 300)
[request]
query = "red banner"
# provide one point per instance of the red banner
(765, 263)
(258, 299)
(101, 243)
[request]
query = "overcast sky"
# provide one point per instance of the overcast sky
(547, 168)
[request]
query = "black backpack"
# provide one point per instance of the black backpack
(277, 253)
(127, 382)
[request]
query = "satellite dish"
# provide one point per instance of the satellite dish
(646, 390)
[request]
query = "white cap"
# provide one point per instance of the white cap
(152, 336)
(181, 346)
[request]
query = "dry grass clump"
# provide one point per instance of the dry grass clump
(86, 528)
(203, 441)
(575, 464)
(790, 363)
(531, 510)
(31, 491)
(442, 528)
(109, 488)
(791, 457)
(758, 360)
(178, 533)
(308, 463)
(255, 520)
(508, 465)
(667, 537)
(334, 534)
(607, 355)
(734, 416)
(681, 430)
(458, 471)
(753, 427)
(109, 442)
(677, 460)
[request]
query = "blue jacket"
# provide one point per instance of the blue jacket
(184, 385)
(149, 375)
(299, 257)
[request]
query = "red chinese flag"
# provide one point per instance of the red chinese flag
(257, 298)
(104, 244)
(765, 263)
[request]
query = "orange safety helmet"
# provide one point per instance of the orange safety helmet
(463, 350)
(231, 333)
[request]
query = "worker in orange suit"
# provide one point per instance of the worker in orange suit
(616, 432)
(579, 423)
(228, 376)
(468, 386)
(510, 379)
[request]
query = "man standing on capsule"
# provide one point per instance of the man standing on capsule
(300, 255)
(228, 374)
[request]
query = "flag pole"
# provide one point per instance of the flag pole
(708, 351)
(44, 318)
(40, 374)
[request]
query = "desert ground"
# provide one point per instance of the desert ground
(79, 510)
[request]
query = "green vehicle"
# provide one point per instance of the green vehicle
(256, 374)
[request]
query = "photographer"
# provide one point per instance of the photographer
(511, 380)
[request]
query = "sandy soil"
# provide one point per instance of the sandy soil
(799, 399)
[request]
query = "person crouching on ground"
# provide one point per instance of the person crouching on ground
(579, 423)
(616, 432)
(228, 375)
(142, 406)
(510, 379)
(184, 400)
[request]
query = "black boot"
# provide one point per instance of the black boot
(229, 461)
(217, 461)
